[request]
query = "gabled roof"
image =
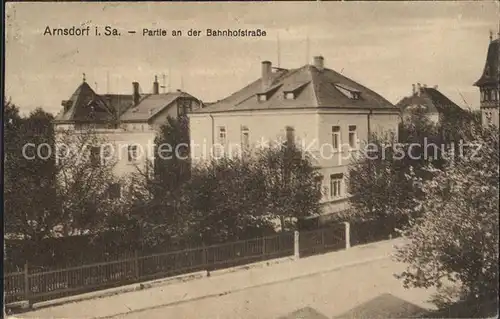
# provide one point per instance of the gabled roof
(150, 105)
(314, 89)
(491, 68)
(431, 100)
(87, 106)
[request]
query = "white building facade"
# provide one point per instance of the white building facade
(125, 125)
(328, 115)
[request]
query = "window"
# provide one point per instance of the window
(219, 148)
(132, 153)
(489, 117)
(336, 137)
(245, 138)
(184, 107)
(336, 185)
(262, 97)
(290, 135)
(319, 183)
(289, 95)
(352, 136)
(222, 135)
(114, 191)
(348, 91)
(95, 155)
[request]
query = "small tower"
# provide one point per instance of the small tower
(489, 84)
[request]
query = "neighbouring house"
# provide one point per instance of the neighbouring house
(328, 114)
(129, 122)
(433, 103)
(489, 85)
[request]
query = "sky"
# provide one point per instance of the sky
(385, 46)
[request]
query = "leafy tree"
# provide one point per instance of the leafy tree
(220, 200)
(377, 179)
(415, 127)
(84, 176)
(29, 180)
(172, 161)
(455, 236)
(292, 184)
(240, 197)
(224, 199)
(378, 184)
(156, 189)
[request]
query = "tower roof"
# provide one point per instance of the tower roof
(490, 74)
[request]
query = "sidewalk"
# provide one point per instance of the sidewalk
(216, 285)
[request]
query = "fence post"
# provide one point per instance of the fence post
(263, 246)
(136, 264)
(323, 238)
(27, 290)
(347, 235)
(203, 255)
(296, 253)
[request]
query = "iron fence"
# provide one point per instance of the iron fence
(36, 285)
(321, 241)
(46, 285)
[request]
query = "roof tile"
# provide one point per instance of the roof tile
(317, 91)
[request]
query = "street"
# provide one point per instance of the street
(331, 284)
(331, 294)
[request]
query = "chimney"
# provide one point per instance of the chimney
(419, 89)
(414, 89)
(156, 86)
(135, 94)
(266, 75)
(435, 87)
(319, 62)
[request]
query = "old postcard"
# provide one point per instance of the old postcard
(251, 159)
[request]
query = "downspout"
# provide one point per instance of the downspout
(369, 126)
(213, 130)
(369, 161)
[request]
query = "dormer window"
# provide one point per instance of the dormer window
(348, 91)
(291, 91)
(66, 105)
(262, 97)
